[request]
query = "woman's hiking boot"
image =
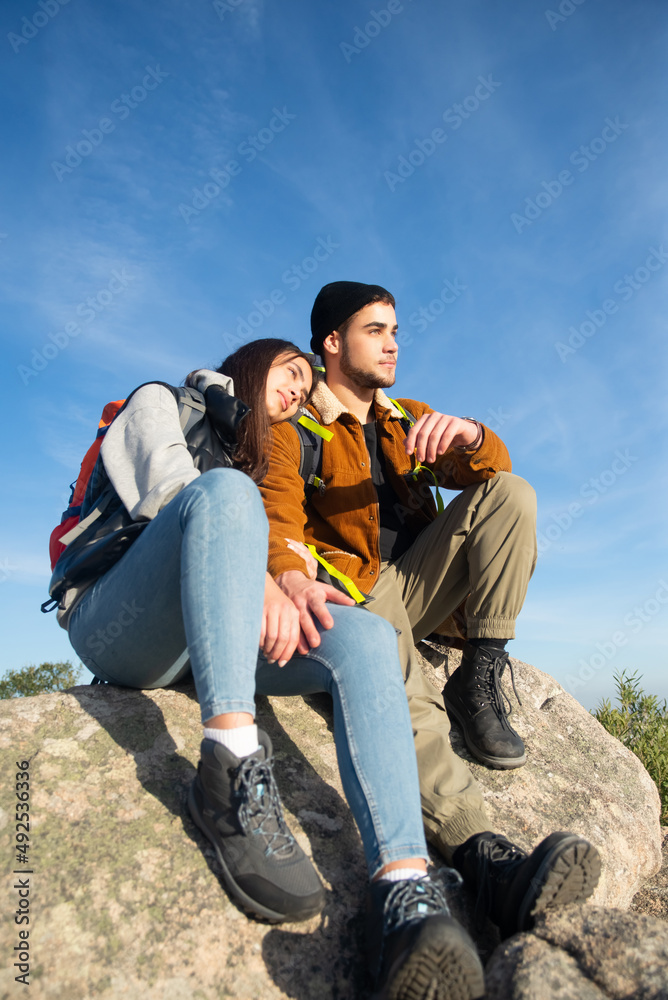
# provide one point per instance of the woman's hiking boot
(475, 698)
(514, 887)
(415, 949)
(235, 803)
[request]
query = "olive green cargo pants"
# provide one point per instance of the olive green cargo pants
(483, 545)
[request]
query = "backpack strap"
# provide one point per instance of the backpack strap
(356, 594)
(192, 406)
(408, 419)
(311, 434)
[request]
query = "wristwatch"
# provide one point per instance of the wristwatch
(475, 444)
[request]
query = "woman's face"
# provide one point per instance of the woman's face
(288, 385)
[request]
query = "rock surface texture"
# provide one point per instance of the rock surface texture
(583, 953)
(653, 897)
(577, 777)
(124, 898)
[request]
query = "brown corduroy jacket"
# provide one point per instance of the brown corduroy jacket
(342, 523)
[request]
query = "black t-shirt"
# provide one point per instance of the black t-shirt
(394, 536)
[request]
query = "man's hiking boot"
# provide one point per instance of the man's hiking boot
(415, 949)
(474, 697)
(235, 803)
(514, 887)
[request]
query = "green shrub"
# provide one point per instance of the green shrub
(641, 724)
(43, 679)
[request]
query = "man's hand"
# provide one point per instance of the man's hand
(310, 597)
(434, 433)
(280, 633)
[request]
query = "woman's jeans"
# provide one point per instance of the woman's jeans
(189, 594)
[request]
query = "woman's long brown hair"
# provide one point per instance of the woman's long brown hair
(249, 367)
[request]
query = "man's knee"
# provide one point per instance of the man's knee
(517, 490)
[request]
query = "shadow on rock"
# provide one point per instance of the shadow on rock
(329, 962)
(137, 724)
(324, 815)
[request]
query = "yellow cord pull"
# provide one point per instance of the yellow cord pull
(440, 506)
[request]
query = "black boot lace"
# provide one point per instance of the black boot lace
(412, 900)
(260, 809)
(489, 682)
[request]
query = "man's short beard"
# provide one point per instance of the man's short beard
(359, 376)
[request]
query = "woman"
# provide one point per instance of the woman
(200, 598)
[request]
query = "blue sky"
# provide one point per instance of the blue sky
(182, 177)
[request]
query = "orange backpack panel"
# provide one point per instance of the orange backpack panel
(70, 517)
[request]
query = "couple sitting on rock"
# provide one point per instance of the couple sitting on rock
(219, 575)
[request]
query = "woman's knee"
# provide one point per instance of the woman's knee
(232, 498)
(363, 644)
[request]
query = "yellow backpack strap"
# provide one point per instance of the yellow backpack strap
(356, 594)
(402, 412)
(317, 428)
(440, 506)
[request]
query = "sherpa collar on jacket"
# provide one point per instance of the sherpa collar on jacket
(330, 407)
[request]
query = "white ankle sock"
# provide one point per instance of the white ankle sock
(241, 741)
(399, 874)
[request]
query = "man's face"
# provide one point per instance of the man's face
(368, 349)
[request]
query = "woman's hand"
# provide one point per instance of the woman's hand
(311, 564)
(280, 624)
(310, 597)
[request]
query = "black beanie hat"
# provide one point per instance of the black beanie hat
(337, 302)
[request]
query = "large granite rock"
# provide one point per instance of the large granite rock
(577, 777)
(583, 953)
(653, 897)
(124, 899)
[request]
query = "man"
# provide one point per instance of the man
(374, 522)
